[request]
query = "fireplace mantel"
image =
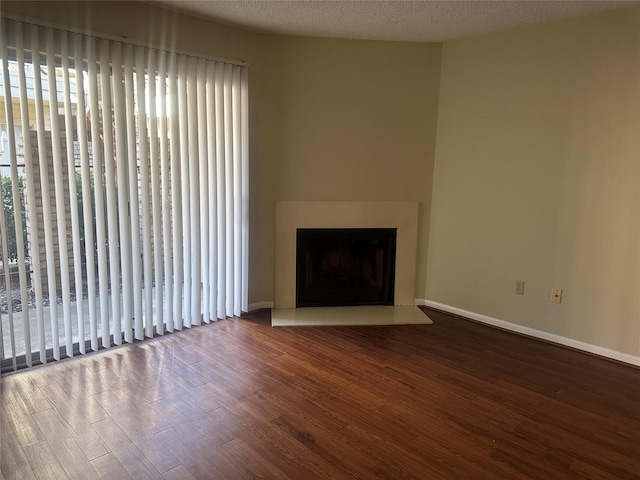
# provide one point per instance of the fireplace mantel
(293, 215)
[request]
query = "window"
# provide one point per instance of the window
(124, 186)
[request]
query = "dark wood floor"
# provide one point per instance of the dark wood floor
(241, 400)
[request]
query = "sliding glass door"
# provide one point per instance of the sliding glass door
(124, 186)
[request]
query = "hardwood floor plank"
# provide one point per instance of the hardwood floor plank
(131, 458)
(214, 431)
(371, 420)
(17, 421)
(404, 463)
(108, 467)
(158, 453)
(309, 464)
(208, 398)
(76, 423)
(14, 464)
(77, 400)
(259, 466)
(384, 471)
(72, 459)
(574, 447)
(29, 392)
(586, 470)
(178, 473)
(260, 434)
(161, 415)
(293, 401)
(616, 432)
(327, 445)
(250, 404)
(44, 462)
(470, 456)
(201, 459)
(94, 379)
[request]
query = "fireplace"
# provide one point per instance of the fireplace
(345, 266)
(295, 215)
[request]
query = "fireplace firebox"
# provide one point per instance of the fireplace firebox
(345, 266)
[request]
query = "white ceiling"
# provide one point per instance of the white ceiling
(415, 21)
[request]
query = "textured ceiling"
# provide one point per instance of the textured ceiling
(416, 21)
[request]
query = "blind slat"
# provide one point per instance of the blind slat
(98, 175)
(212, 247)
(165, 204)
(58, 187)
(244, 113)
(4, 258)
(158, 318)
(203, 188)
(236, 189)
(183, 127)
(73, 194)
(122, 161)
(111, 199)
(228, 188)
(30, 201)
(43, 162)
(17, 217)
(134, 212)
(176, 196)
(143, 146)
(194, 195)
(4, 242)
(220, 192)
(87, 202)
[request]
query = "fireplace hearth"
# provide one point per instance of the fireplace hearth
(345, 266)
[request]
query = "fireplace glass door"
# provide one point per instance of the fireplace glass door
(345, 266)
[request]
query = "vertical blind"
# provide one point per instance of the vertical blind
(124, 186)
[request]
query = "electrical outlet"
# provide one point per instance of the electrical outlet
(556, 295)
(519, 290)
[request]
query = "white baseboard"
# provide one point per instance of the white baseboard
(531, 332)
(252, 307)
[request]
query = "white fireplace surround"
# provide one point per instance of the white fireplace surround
(293, 215)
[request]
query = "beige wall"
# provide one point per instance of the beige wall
(537, 178)
(357, 122)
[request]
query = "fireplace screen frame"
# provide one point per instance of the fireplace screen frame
(361, 246)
